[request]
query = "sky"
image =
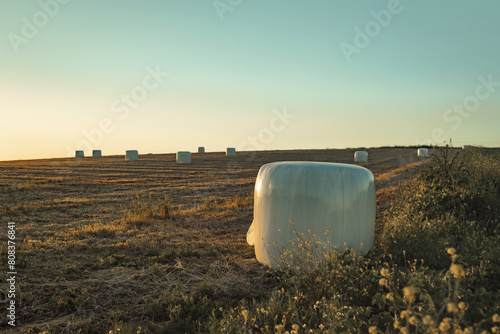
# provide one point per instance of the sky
(167, 76)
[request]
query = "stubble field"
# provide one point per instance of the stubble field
(101, 240)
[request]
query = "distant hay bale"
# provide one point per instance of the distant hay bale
(201, 149)
(79, 154)
(423, 152)
(183, 157)
(230, 151)
(96, 154)
(131, 155)
(464, 147)
(334, 201)
(360, 156)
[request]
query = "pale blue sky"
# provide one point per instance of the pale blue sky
(228, 78)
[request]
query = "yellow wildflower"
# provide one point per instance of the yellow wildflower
(385, 272)
(413, 320)
(451, 251)
(462, 306)
(405, 314)
(496, 317)
(457, 270)
(279, 328)
(244, 313)
(445, 326)
(427, 320)
(383, 282)
(409, 293)
(373, 330)
(452, 308)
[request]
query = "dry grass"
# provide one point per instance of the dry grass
(84, 264)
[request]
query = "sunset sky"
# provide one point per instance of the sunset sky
(166, 76)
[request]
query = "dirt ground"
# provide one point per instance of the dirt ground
(81, 260)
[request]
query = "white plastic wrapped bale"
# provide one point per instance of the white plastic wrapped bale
(335, 201)
(201, 149)
(96, 153)
(230, 151)
(183, 157)
(464, 147)
(360, 156)
(423, 152)
(131, 155)
(79, 154)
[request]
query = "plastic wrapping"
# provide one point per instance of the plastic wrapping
(79, 154)
(360, 156)
(230, 151)
(201, 149)
(423, 152)
(335, 201)
(183, 157)
(96, 154)
(131, 155)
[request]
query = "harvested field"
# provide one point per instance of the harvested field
(98, 243)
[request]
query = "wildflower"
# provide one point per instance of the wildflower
(390, 296)
(496, 317)
(427, 320)
(457, 270)
(383, 282)
(279, 328)
(462, 306)
(397, 324)
(384, 272)
(295, 327)
(404, 330)
(445, 326)
(321, 326)
(452, 307)
(451, 251)
(495, 329)
(405, 314)
(469, 330)
(244, 313)
(373, 330)
(413, 320)
(409, 293)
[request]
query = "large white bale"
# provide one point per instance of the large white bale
(183, 157)
(131, 155)
(464, 147)
(360, 156)
(201, 149)
(423, 152)
(230, 151)
(96, 153)
(335, 201)
(79, 154)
